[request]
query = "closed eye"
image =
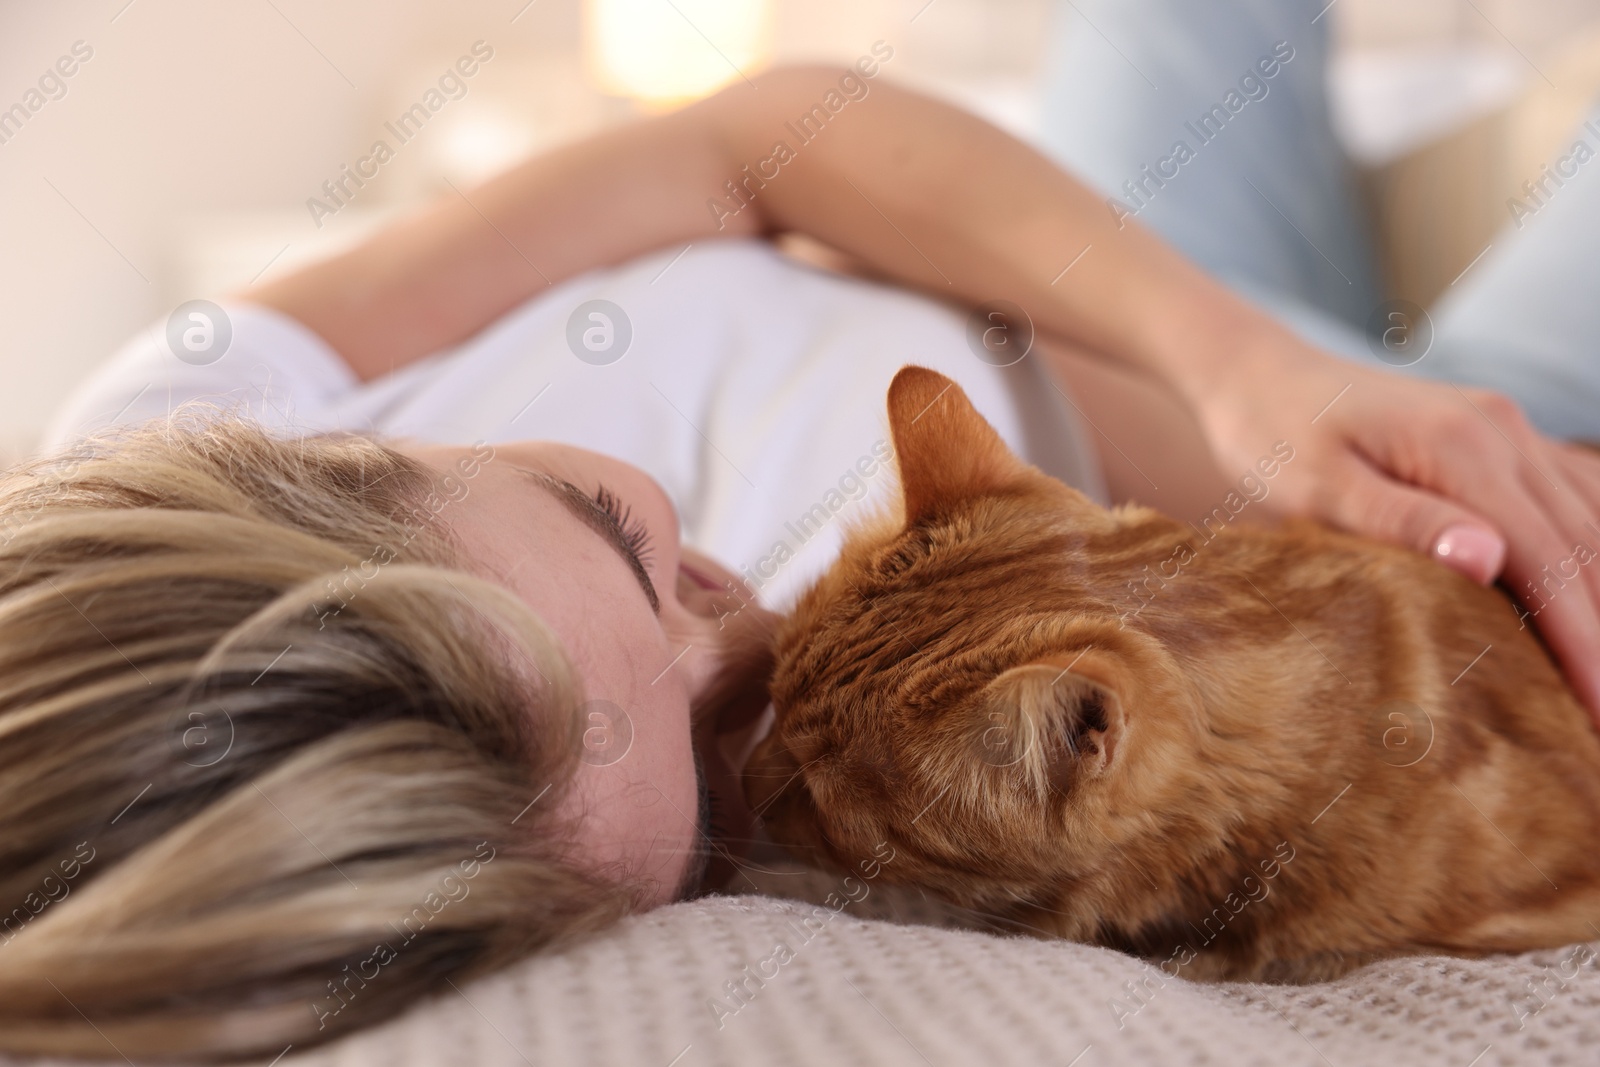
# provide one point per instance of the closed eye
(604, 514)
(633, 531)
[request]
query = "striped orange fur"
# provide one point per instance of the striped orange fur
(1293, 757)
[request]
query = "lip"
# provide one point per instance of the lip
(704, 581)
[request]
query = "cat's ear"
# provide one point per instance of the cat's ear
(1055, 722)
(946, 451)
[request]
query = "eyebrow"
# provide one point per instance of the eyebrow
(588, 511)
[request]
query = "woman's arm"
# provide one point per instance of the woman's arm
(937, 199)
(442, 274)
(990, 217)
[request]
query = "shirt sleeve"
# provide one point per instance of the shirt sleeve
(272, 369)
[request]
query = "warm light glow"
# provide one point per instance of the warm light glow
(483, 142)
(666, 51)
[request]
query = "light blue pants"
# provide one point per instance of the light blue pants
(1261, 194)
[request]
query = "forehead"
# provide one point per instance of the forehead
(970, 577)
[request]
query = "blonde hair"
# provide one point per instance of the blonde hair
(273, 764)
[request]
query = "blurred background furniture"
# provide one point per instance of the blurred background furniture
(181, 157)
(1451, 107)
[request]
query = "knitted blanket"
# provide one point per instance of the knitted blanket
(870, 976)
(755, 980)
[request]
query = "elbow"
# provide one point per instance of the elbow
(839, 84)
(806, 96)
(757, 127)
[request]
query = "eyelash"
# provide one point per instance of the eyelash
(634, 533)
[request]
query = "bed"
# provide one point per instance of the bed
(892, 979)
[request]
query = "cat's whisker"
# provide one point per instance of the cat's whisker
(762, 810)
(745, 865)
(740, 865)
(996, 917)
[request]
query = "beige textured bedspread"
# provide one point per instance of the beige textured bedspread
(847, 988)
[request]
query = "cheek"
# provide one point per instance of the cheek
(635, 795)
(663, 759)
(668, 808)
(633, 829)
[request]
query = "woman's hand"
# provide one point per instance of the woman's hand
(1454, 472)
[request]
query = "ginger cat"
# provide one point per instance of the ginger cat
(1303, 752)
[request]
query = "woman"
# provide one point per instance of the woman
(300, 723)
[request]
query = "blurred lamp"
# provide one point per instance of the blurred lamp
(662, 52)
(482, 142)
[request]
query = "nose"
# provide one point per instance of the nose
(728, 638)
(725, 639)
(703, 650)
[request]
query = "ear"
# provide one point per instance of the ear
(1057, 721)
(946, 451)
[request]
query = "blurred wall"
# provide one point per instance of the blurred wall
(176, 160)
(178, 157)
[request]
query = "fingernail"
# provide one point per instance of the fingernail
(1472, 550)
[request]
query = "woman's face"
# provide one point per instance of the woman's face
(591, 545)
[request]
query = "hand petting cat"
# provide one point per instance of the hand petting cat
(1453, 472)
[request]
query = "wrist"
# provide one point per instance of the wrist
(1210, 349)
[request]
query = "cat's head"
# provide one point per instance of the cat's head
(962, 683)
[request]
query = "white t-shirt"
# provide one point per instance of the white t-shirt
(752, 389)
